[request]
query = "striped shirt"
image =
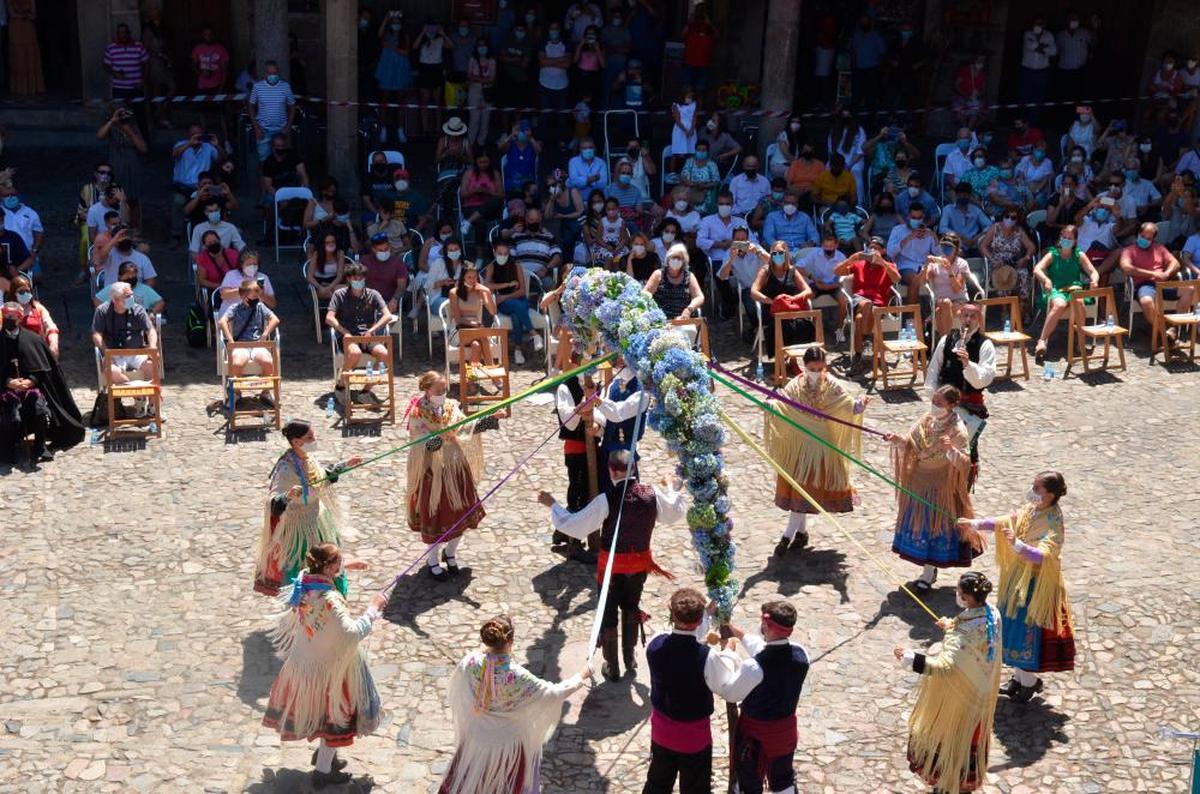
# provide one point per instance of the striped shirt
(127, 60)
(271, 103)
(1073, 48)
(534, 250)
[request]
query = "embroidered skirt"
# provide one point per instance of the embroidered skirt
(919, 545)
(970, 782)
(834, 501)
(363, 721)
(1037, 649)
(433, 520)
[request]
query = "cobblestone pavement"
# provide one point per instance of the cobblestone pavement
(136, 657)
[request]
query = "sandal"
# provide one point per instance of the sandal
(451, 564)
(922, 586)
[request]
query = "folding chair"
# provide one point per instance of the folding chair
(385, 409)
(1165, 319)
(829, 302)
(1015, 340)
(785, 354)
(696, 330)
(493, 368)
(282, 196)
(251, 380)
(887, 320)
(940, 153)
(150, 390)
(1161, 301)
(392, 156)
(1079, 334)
(664, 178)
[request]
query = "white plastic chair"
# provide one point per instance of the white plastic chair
(827, 301)
(940, 153)
(393, 157)
(283, 195)
(667, 154)
(975, 291)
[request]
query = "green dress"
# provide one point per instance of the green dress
(1063, 272)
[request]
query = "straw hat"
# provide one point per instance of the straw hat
(454, 126)
(1004, 278)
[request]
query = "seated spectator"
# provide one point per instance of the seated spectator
(835, 183)
(958, 162)
(442, 274)
(981, 174)
(249, 320)
(248, 267)
(1125, 203)
(890, 151)
(481, 192)
(120, 249)
(965, 218)
(1036, 173)
(638, 154)
(340, 225)
(357, 310)
(1059, 273)
(1078, 167)
(749, 187)
(844, 223)
(392, 228)
(628, 197)
(701, 176)
(882, 219)
(681, 210)
(607, 237)
(586, 171)
(777, 278)
(803, 172)
(209, 187)
(326, 266)
(1023, 137)
(320, 207)
(819, 266)
(282, 168)
(1097, 222)
(535, 249)
(453, 152)
(1146, 262)
(104, 234)
(1063, 206)
(1118, 144)
(1085, 130)
(143, 295)
(789, 224)
(1151, 162)
(378, 187)
(874, 279)
(386, 273)
(213, 261)
(23, 220)
(562, 209)
(1006, 243)
(1142, 193)
(122, 324)
(914, 192)
(723, 148)
(35, 316)
(946, 274)
(520, 149)
(669, 233)
(15, 257)
(767, 204)
(675, 288)
(909, 245)
(642, 259)
(192, 156)
(506, 279)
(1179, 209)
(92, 193)
(111, 199)
(1189, 161)
(228, 234)
(736, 269)
(468, 300)
(1005, 192)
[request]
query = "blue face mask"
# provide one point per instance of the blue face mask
(914, 223)
(777, 195)
(1131, 175)
(947, 250)
(963, 144)
(701, 154)
(1143, 243)
(587, 154)
(1038, 155)
(778, 257)
(554, 34)
(272, 79)
(522, 136)
(12, 202)
(358, 283)
(1065, 244)
(214, 217)
(624, 179)
(1101, 214)
(1006, 173)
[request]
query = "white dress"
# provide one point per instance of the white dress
(681, 143)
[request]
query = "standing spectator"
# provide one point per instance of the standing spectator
(683, 128)
(588, 61)
(24, 55)
(824, 49)
(126, 146)
(516, 61)
(1038, 47)
(481, 77)
(616, 41)
(1074, 48)
(126, 59)
(210, 61)
(645, 29)
(160, 76)
(867, 52)
(506, 20)
(463, 44)
(1085, 130)
(905, 62)
(394, 75)
(193, 155)
(969, 85)
(553, 81)
(581, 15)
(369, 48)
(749, 187)
(699, 39)
(4, 47)
(272, 108)
(431, 45)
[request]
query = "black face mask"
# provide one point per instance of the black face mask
(379, 168)
(252, 302)
(10, 324)
(751, 173)
(125, 247)
(214, 249)
(132, 281)
(533, 227)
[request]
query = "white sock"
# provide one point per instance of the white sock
(325, 755)
(452, 547)
(1024, 677)
(796, 523)
(929, 574)
(435, 555)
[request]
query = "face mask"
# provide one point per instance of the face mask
(812, 377)
(358, 283)
(11, 202)
(454, 256)
(795, 126)
(1143, 243)
(1033, 497)
(533, 227)
(125, 247)
(962, 201)
(250, 271)
(530, 18)
(947, 250)
(1009, 222)
(701, 154)
(959, 600)
(1006, 173)
(789, 209)
(444, 236)
(1191, 64)
(343, 218)
(437, 400)
(778, 258)
(979, 162)
(554, 34)
(484, 50)
(401, 185)
(214, 248)
(1077, 158)
(777, 195)
(1038, 155)
(1101, 214)
(639, 250)
(940, 412)
(330, 247)
(587, 154)
(384, 255)
(272, 79)
(724, 210)
(598, 206)
(1066, 245)
(1144, 148)
(681, 205)
(675, 263)
(913, 192)
(914, 223)
(24, 298)
(963, 144)
(625, 179)
(309, 447)
(252, 303)
(1169, 65)
(213, 217)
(1037, 30)
(363, 24)
(668, 237)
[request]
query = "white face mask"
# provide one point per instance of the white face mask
(914, 191)
(309, 447)
(639, 250)
(1033, 497)
(668, 237)
(675, 264)
(789, 209)
(401, 185)
(501, 259)
(384, 255)
(437, 400)
(940, 412)
(812, 377)
(958, 599)
(598, 206)
(454, 256)
(250, 271)
(681, 205)
(724, 210)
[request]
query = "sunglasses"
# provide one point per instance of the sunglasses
(104, 173)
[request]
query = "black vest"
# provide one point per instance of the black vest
(619, 435)
(677, 686)
(784, 668)
(576, 388)
(638, 516)
(951, 373)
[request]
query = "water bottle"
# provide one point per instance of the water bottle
(758, 371)
(382, 370)
(1048, 373)
(370, 367)
(329, 408)
(152, 428)
(1109, 323)
(1196, 311)
(95, 436)
(1008, 326)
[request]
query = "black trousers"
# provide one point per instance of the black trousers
(22, 412)
(624, 595)
(748, 755)
(694, 771)
(577, 481)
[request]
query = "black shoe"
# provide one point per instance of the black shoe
(438, 575)
(781, 547)
(610, 672)
(45, 456)
(450, 564)
(338, 764)
(323, 779)
(798, 543)
(1039, 356)
(1010, 688)
(922, 586)
(1027, 692)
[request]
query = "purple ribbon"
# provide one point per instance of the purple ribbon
(775, 395)
(484, 498)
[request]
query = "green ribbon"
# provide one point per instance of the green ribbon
(500, 406)
(717, 376)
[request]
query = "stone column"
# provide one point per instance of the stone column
(341, 82)
(241, 43)
(95, 32)
(271, 34)
(781, 46)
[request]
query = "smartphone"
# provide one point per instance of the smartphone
(1108, 201)
(740, 245)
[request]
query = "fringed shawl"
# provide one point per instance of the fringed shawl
(503, 714)
(1048, 606)
(807, 460)
(303, 524)
(461, 449)
(925, 468)
(957, 696)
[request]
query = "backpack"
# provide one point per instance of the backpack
(195, 325)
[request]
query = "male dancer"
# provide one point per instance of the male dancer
(573, 426)
(966, 360)
(618, 413)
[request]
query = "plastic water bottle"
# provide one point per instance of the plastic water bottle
(382, 369)
(95, 437)
(329, 408)
(1048, 373)
(1109, 323)
(370, 367)
(758, 371)
(1008, 326)
(152, 428)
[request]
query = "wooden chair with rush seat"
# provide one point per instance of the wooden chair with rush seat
(784, 353)
(492, 367)
(1079, 334)
(149, 390)
(1166, 321)
(250, 382)
(1014, 340)
(379, 410)
(891, 319)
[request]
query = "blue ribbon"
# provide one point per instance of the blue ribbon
(300, 586)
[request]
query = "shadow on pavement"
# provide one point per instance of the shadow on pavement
(260, 665)
(416, 594)
(809, 567)
(921, 626)
(295, 781)
(1027, 731)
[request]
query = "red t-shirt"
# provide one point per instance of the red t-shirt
(698, 43)
(872, 282)
(1152, 258)
(212, 59)
(382, 276)
(214, 270)
(1024, 143)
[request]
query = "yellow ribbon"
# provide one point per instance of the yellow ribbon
(816, 505)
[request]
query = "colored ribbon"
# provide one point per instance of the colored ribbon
(500, 406)
(479, 503)
(717, 376)
(822, 511)
(774, 394)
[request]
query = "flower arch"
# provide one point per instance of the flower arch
(611, 309)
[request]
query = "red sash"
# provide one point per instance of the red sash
(777, 738)
(628, 562)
